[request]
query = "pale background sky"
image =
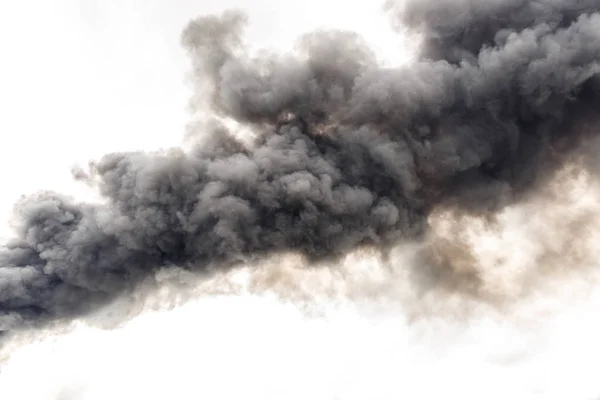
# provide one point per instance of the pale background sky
(80, 78)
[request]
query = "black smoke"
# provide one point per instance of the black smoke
(347, 152)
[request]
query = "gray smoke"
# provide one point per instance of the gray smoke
(347, 153)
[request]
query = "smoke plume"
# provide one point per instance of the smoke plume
(346, 152)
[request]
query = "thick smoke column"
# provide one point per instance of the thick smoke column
(347, 153)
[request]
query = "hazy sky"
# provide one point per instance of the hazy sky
(80, 78)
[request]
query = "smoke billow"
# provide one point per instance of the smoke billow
(346, 152)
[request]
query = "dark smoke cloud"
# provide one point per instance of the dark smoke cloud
(348, 152)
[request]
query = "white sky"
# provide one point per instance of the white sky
(80, 78)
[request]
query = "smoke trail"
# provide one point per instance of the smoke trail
(347, 152)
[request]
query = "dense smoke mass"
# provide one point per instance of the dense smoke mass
(346, 152)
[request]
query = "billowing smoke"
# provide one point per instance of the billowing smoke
(346, 152)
